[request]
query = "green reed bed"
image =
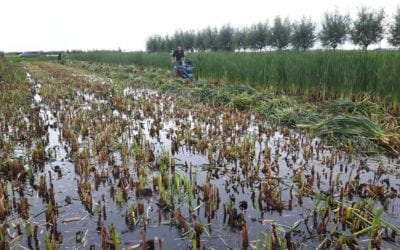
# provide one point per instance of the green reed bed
(317, 74)
(14, 89)
(326, 74)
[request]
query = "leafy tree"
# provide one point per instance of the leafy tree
(257, 36)
(240, 38)
(188, 38)
(251, 38)
(280, 33)
(153, 44)
(303, 36)
(168, 44)
(225, 38)
(199, 41)
(394, 30)
(335, 28)
(210, 38)
(178, 38)
(368, 28)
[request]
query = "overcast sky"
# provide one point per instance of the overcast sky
(97, 24)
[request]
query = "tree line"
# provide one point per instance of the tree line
(368, 28)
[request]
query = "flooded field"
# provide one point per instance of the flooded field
(115, 166)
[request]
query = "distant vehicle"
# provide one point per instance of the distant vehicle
(30, 54)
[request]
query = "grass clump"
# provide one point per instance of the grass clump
(364, 107)
(287, 111)
(237, 89)
(242, 101)
(291, 116)
(234, 95)
(203, 93)
(359, 128)
(221, 98)
(174, 87)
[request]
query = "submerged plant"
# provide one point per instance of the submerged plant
(114, 237)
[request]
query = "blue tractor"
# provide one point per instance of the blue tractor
(185, 71)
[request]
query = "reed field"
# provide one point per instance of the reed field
(317, 74)
(120, 156)
(14, 89)
(264, 144)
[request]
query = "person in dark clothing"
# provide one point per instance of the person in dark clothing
(178, 56)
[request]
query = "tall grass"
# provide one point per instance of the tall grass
(14, 89)
(10, 72)
(326, 74)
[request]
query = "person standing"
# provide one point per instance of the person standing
(178, 56)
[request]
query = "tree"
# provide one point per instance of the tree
(280, 33)
(153, 44)
(210, 38)
(199, 41)
(368, 28)
(251, 38)
(188, 38)
(303, 36)
(240, 38)
(257, 36)
(168, 44)
(225, 38)
(335, 28)
(177, 38)
(394, 30)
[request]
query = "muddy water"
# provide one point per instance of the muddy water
(287, 153)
